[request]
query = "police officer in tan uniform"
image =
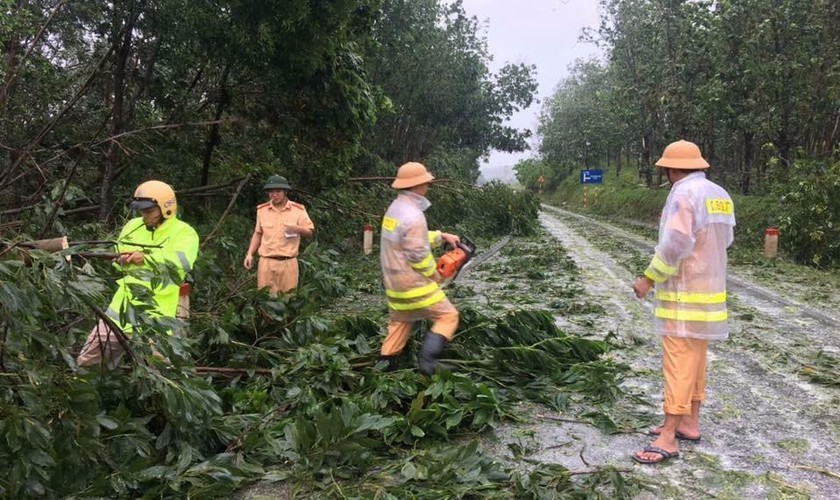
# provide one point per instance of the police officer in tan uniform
(281, 223)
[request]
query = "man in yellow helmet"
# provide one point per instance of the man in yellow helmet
(688, 273)
(281, 223)
(409, 271)
(157, 251)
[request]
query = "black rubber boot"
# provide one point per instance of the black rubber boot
(433, 346)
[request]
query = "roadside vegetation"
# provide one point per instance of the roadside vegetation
(96, 98)
(753, 83)
(287, 390)
(804, 251)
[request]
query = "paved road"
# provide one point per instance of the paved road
(767, 431)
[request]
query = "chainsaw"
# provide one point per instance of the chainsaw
(453, 261)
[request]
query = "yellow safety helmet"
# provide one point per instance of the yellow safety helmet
(412, 174)
(682, 155)
(155, 193)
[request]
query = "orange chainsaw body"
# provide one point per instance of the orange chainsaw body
(451, 263)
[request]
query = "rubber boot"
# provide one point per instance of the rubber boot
(433, 346)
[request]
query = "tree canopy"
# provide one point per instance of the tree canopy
(755, 83)
(95, 98)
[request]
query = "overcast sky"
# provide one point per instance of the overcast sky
(539, 32)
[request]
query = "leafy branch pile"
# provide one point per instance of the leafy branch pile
(822, 369)
(320, 414)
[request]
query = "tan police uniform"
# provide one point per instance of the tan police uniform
(278, 251)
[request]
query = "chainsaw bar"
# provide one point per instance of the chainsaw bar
(484, 257)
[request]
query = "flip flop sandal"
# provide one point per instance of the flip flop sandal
(663, 455)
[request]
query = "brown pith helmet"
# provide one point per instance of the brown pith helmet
(682, 155)
(412, 174)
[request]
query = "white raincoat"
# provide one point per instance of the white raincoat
(407, 261)
(689, 265)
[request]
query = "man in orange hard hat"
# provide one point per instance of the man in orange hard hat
(148, 245)
(688, 274)
(281, 223)
(409, 271)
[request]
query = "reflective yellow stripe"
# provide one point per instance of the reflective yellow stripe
(655, 276)
(681, 315)
(414, 292)
(412, 306)
(434, 238)
(662, 267)
(426, 266)
(692, 297)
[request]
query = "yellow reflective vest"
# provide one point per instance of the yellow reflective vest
(406, 255)
(689, 264)
(174, 248)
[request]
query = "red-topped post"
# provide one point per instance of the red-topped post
(771, 242)
(368, 239)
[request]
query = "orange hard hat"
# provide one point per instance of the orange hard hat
(682, 155)
(412, 174)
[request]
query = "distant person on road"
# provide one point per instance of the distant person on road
(688, 274)
(281, 223)
(409, 271)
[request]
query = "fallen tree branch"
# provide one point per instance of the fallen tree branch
(818, 469)
(581, 456)
(566, 420)
(598, 470)
(227, 210)
(231, 372)
(13, 211)
(236, 444)
(46, 129)
(60, 199)
(328, 202)
(212, 187)
(391, 179)
(116, 331)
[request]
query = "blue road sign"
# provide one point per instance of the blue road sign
(591, 176)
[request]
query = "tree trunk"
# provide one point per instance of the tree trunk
(112, 156)
(646, 160)
(618, 162)
(214, 138)
(12, 52)
(747, 163)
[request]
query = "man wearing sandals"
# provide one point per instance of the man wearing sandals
(688, 274)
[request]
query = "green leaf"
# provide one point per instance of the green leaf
(107, 422)
(409, 471)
